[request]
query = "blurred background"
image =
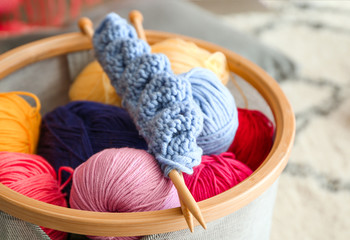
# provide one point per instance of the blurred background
(304, 45)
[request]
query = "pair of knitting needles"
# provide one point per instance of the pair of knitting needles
(189, 206)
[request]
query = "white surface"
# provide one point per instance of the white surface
(314, 192)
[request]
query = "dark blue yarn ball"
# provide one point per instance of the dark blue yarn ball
(73, 133)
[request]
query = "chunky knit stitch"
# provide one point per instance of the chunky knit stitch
(160, 102)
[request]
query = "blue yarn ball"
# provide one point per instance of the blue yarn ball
(219, 109)
(71, 134)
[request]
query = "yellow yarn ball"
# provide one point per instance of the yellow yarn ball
(93, 84)
(185, 55)
(19, 123)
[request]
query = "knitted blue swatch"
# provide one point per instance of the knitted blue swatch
(160, 102)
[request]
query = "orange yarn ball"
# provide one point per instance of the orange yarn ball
(19, 122)
(185, 55)
(93, 84)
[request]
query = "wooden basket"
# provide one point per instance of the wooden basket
(147, 223)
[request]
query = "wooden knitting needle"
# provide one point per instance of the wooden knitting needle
(86, 27)
(136, 19)
(187, 198)
(188, 204)
(186, 212)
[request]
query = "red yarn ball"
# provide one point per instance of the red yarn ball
(32, 176)
(254, 138)
(216, 174)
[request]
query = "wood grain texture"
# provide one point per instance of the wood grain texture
(145, 223)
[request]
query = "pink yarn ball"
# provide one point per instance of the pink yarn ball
(216, 174)
(121, 180)
(32, 176)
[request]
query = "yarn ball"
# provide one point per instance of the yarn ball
(34, 177)
(19, 122)
(93, 84)
(185, 55)
(216, 174)
(254, 138)
(72, 133)
(219, 110)
(160, 102)
(121, 180)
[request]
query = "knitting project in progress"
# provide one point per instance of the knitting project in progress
(160, 102)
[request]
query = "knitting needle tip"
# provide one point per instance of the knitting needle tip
(188, 216)
(136, 19)
(86, 26)
(186, 212)
(135, 16)
(186, 197)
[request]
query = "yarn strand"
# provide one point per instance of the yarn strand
(67, 169)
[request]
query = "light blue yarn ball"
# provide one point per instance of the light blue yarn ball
(219, 110)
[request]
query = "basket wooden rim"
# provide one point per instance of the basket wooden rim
(146, 223)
